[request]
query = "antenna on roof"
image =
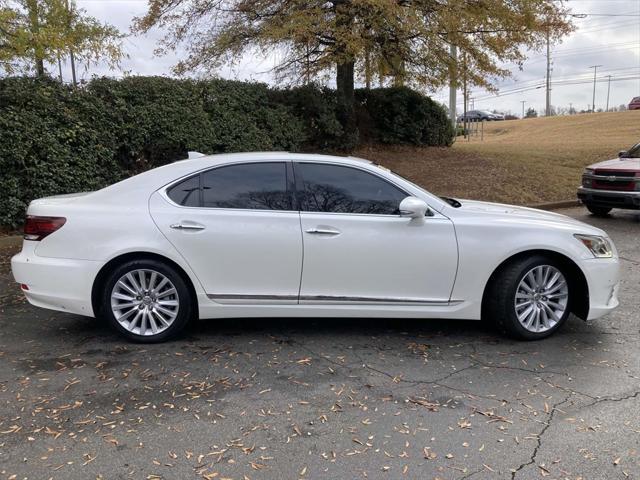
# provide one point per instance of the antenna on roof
(193, 155)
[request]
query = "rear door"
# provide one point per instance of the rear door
(236, 227)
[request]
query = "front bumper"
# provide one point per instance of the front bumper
(609, 198)
(603, 280)
(55, 283)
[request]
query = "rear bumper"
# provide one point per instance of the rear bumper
(609, 198)
(55, 283)
(603, 279)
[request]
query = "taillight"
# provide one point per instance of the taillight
(36, 228)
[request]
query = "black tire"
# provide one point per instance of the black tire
(185, 309)
(498, 306)
(598, 211)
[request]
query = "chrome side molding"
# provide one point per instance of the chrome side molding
(328, 299)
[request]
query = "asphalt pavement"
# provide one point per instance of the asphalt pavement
(322, 399)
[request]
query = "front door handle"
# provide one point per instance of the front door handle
(187, 226)
(323, 231)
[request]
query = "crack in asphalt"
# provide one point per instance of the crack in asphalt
(611, 399)
(534, 454)
(551, 417)
(438, 382)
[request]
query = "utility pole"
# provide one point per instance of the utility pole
(453, 84)
(464, 94)
(523, 102)
(608, 91)
(593, 101)
(570, 108)
(548, 96)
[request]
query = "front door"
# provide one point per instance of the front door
(359, 250)
(236, 227)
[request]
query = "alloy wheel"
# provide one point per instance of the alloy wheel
(541, 298)
(145, 302)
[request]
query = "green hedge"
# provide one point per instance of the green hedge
(55, 139)
(401, 115)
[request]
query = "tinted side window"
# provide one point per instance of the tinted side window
(338, 189)
(260, 186)
(187, 192)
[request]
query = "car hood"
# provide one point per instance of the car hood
(500, 212)
(618, 164)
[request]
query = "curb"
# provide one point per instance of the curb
(556, 205)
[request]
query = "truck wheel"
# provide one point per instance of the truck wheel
(598, 211)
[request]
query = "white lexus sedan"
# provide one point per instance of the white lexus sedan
(294, 235)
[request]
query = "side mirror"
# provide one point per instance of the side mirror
(623, 154)
(413, 207)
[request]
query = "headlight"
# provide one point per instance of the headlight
(588, 171)
(600, 247)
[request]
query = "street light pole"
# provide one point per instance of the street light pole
(593, 102)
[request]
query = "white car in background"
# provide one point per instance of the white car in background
(294, 235)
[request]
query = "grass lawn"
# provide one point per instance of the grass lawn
(520, 161)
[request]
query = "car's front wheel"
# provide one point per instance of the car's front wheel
(146, 301)
(529, 298)
(598, 211)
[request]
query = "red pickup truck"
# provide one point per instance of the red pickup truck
(612, 183)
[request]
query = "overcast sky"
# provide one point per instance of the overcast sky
(612, 41)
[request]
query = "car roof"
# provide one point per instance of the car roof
(220, 158)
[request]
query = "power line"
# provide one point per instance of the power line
(584, 15)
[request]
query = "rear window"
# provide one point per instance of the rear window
(254, 186)
(261, 186)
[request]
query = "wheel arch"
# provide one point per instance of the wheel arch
(108, 267)
(579, 305)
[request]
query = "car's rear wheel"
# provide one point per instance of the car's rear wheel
(529, 299)
(598, 211)
(146, 301)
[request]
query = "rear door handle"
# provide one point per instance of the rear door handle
(187, 226)
(323, 231)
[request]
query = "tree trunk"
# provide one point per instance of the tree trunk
(34, 27)
(39, 67)
(367, 69)
(345, 71)
(346, 104)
